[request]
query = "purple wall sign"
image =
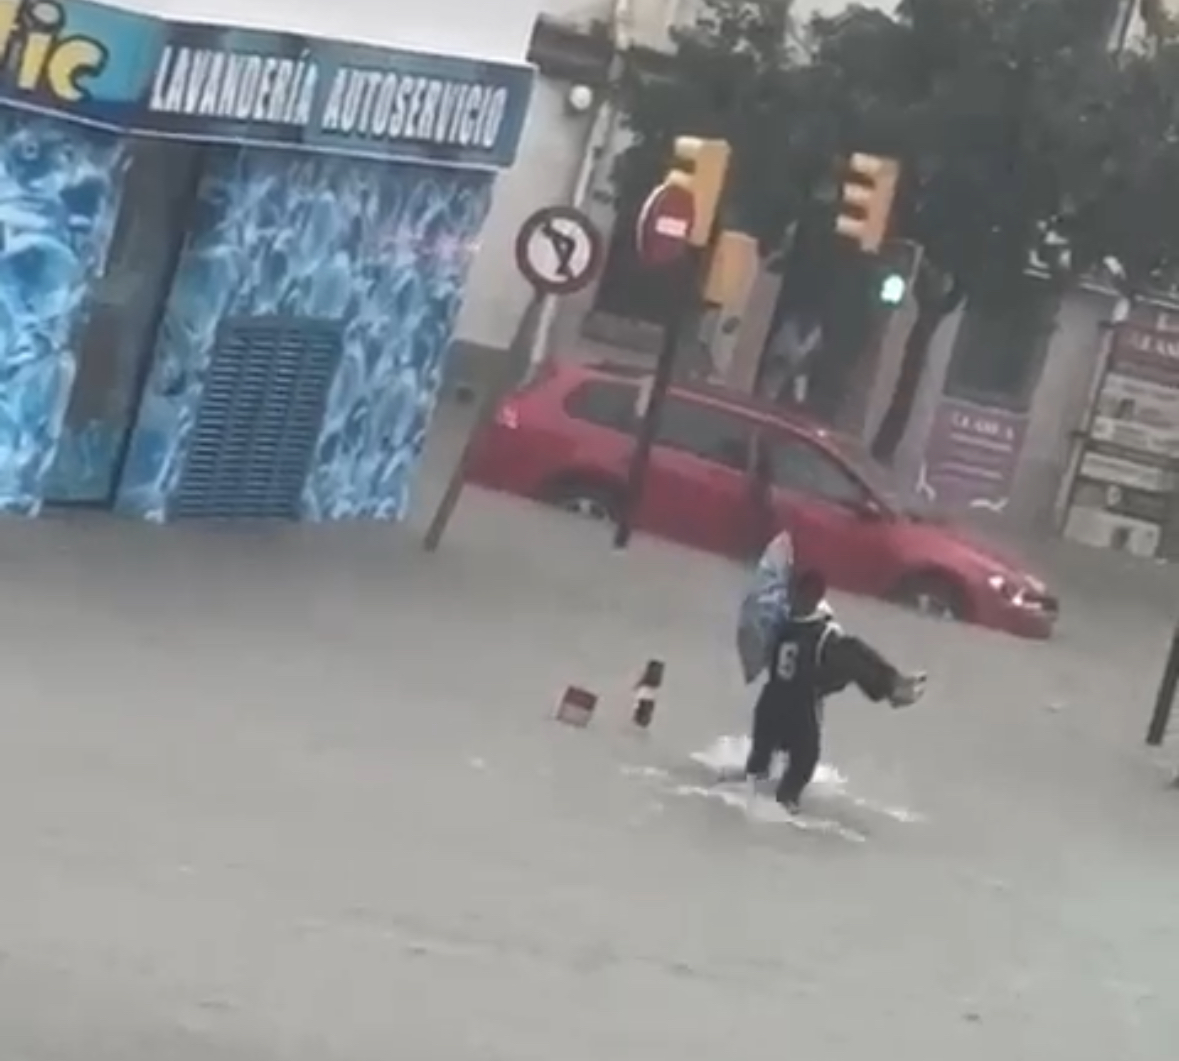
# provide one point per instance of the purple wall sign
(971, 455)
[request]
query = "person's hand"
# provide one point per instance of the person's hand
(909, 689)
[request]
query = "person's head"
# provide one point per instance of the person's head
(807, 592)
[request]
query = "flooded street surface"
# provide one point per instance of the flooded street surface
(298, 794)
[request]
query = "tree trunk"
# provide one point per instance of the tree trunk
(895, 422)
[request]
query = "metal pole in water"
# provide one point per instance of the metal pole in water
(680, 305)
(1165, 700)
(516, 364)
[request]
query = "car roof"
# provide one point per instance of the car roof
(760, 408)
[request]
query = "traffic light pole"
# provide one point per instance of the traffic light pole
(681, 302)
(699, 168)
(1165, 699)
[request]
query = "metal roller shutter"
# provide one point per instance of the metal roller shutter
(259, 419)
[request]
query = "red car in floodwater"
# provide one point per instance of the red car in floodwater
(566, 438)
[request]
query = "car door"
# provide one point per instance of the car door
(828, 511)
(698, 484)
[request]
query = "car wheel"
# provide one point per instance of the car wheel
(586, 499)
(934, 595)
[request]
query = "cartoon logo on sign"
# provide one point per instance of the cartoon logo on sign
(34, 47)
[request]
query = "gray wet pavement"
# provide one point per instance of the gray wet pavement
(296, 793)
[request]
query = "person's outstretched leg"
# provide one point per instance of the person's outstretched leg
(852, 661)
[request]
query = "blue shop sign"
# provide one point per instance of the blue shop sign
(135, 73)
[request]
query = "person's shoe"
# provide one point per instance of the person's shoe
(751, 791)
(908, 690)
(758, 775)
(790, 806)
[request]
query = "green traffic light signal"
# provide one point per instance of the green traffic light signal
(892, 289)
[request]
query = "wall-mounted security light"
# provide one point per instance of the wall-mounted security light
(579, 99)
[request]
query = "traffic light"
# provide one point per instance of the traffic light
(866, 200)
(892, 289)
(731, 269)
(700, 166)
(899, 261)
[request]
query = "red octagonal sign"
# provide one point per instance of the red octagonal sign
(664, 224)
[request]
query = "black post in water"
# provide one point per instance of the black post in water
(1165, 700)
(516, 363)
(681, 303)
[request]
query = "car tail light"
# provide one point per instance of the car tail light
(508, 416)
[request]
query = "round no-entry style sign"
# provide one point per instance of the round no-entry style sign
(664, 225)
(559, 250)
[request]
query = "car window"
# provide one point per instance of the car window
(705, 431)
(605, 403)
(795, 464)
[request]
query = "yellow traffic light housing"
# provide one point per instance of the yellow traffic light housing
(701, 166)
(866, 200)
(731, 269)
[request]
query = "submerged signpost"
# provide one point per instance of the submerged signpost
(1164, 702)
(662, 237)
(559, 251)
(674, 232)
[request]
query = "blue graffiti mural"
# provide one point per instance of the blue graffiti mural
(80, 471)
(59, 188)
(384, 248)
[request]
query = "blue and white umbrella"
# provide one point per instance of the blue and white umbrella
(764, 605)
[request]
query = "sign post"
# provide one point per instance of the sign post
(558, 251)
(663, 238)
(1165, 698)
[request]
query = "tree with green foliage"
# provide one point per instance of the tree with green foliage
(1011, 118)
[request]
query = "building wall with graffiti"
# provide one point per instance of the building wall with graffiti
(409, 232)
(59, 193)
(172, 190)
